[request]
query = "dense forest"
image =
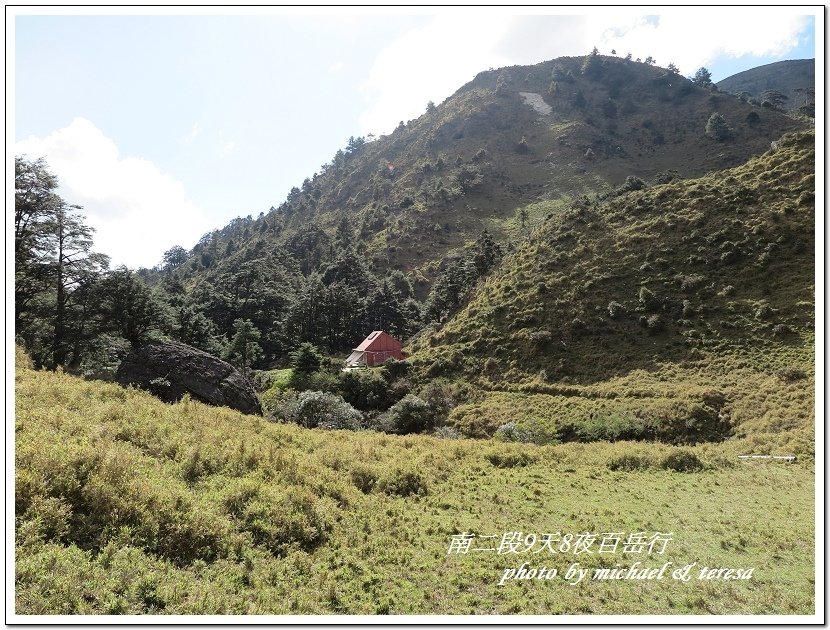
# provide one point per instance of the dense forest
(73, 311)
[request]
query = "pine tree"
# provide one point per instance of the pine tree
(703, 78)
(243, 350)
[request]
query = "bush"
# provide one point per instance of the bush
(306, 358)
(327, 411)
(411, 415)
(629, 463)
(403, 483)
(279, 404)
(717, 128)
(764, 312)
(647, 299)
(631, 184)
(682, 461)
(364, 478)
(654, 324)
(510, 432)
(447, 433)
(615, 310)
(315, 381)
(791, 375)
(396, 369)
(279, 520)
(442, 397)
(366, 389)
(509, 459)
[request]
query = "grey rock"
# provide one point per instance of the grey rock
(170, 369)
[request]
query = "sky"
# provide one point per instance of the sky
(165, 127)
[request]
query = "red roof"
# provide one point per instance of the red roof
(379, 340)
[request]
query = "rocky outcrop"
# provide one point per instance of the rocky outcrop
(170, 369)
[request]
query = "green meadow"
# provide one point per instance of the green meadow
(126, 505)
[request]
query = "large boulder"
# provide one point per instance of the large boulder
(170, 369)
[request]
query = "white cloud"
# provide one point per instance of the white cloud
(693, 38)
(138, 212)
(194, 133)
(226, 148)
(430, 62)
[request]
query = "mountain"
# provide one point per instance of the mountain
(677, 302)
(548, 132)
(794, 80)
(360, 245)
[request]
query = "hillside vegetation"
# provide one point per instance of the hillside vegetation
(124, 504)
(789, 85)
(681, 312)
(391, 233)
(470, 162)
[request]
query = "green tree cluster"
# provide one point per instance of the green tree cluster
(66, 298)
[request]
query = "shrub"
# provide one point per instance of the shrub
(781, 330)
(717, 128)
(682, 461)
(447, 433)
(364, 478)
(790, 375)
(510, 432)
(403, 483)
(654, 323)
(279, 404)
(629, 463)
(540, 337)
(396, 369)
(315, 381)
(615, 310)
(647, 299)
(366, 389)
(50, 516)
(441, 398)
(763, 312)
(509, 459)
(630, 184)
(327, 411)
(411, 415)
(306, 358)
(278, 520)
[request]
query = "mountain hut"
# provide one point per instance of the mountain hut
(375, 349)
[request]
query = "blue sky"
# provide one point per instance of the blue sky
(164, 127)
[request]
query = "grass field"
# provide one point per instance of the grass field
(127, 505)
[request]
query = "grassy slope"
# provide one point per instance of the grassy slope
(656, 123)
(127, 505)
(725, 324)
